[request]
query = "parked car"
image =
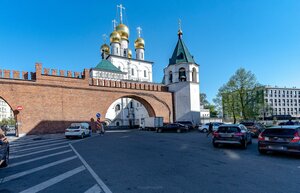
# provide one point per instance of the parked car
(187, 123)
(232, 134)
(254, 127)
(173, 127)
(204, 128)
(4, 150)
(78, 130)
(280, 138)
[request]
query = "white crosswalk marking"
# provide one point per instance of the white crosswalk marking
(53, 181)
(39, 147)
(94, 189)
(18, 175)
(21, 145)
(36, 152)
(38, 158)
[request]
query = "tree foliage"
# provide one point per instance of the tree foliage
(241, 97)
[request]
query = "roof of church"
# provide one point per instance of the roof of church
(181, 54)
(106, 65)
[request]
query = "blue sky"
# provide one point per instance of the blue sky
(262, 36)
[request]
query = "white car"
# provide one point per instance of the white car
(78, 130)
(204, 128)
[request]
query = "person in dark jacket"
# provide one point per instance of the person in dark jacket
(210, 129)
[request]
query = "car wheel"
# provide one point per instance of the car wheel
(205, 130)
(178, 130)
(6, 160)
(244, 144)
(82, 135)
(215, 144)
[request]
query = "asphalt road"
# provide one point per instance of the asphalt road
(144, 162)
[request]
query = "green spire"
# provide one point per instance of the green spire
(106, 65)
(181, 54)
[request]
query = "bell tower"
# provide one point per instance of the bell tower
(182, 78)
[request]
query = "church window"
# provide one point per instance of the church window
(145, 73)
(124, 52)
(117, 50)
(182, 75)
(132, 71)
(170, 77)
(131, 104)
(194, 75)
(118, 107)
(118, 123)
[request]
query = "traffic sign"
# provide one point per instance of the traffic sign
(98, 115)
(19, 108)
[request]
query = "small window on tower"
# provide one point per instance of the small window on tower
(124, 52)
(145, 73)
(182, 76)
(170, 77)
(132, 71)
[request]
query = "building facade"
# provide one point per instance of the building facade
(5, 110)
(282, 101)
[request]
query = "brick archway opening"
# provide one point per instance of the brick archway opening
(8, 117)
(128, 111)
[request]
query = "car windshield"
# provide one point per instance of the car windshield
(228, 129)
(74, 127)
(247, 123)
(279, 131)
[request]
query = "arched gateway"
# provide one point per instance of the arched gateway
(51, 101)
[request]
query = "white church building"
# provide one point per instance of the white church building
(118, 63)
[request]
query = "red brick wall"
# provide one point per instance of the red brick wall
(51, 103)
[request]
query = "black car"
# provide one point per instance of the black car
(187, 123)
(173, 127)
(232, 134)
(4, 150)
(280, 139)
(254, 127)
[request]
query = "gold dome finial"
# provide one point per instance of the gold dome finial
(115, 37)
(139, 43)
(129, 53)
(123, 31)
(105, 49)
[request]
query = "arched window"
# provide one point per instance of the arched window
(194, 75)
(132, 71)
(145, 73)
(182, 76)
(118, 123)
(118, 107)
(170, 77)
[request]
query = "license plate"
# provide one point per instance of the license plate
(276, 147)
(226, 135)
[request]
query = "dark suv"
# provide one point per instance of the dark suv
(254, 127)
(232, 134)
(187, 123)
(280, 138)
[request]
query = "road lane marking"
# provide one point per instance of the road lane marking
(94, 189)
(53, 181)
(93, 173)
(21, 174)
(36, 152)
(39, 147)
(39, 158)
(232, 154)
(20, 145)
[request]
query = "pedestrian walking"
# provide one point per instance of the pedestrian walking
(210, 129)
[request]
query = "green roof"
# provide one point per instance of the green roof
(106, 65)
(181, 54)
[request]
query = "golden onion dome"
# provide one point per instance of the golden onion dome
(123, 30)
(139, 43)
(129, 53)
(115, 37)
(105, 49)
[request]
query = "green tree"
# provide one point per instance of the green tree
(241, 96)
(207, 105)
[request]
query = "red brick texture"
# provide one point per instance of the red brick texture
(51, 103)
